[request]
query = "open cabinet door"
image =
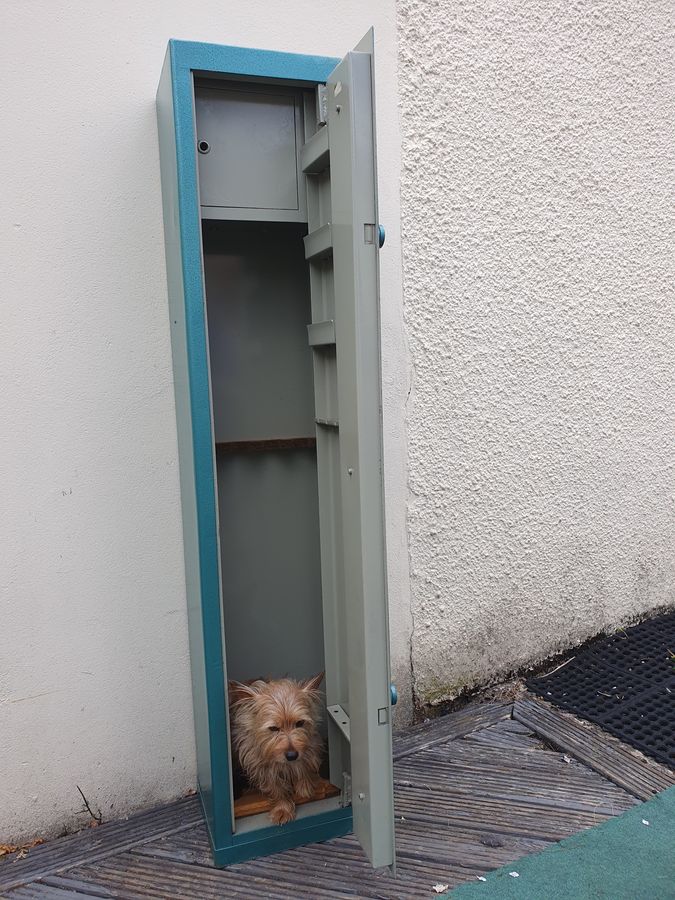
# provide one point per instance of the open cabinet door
(355, 237)
(342, 247)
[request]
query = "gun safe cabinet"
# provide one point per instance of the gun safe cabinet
(272, 241)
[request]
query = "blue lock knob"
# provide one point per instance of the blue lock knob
(394, 694)
(381, 234)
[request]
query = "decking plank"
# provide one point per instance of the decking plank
(132, 877)
(77, 887)
(545, 787)
(478, 759)
(352, 873)
(96, 843)
(592, 746)
(275, 877)
(503, 739)
(449, 727)
(475, 851)
(40, 891)
(491, 814)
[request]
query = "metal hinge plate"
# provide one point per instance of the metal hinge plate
(341, 719)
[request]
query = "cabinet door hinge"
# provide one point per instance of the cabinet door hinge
(346, 796)
(321, 104)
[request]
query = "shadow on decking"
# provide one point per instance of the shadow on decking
(474, 790)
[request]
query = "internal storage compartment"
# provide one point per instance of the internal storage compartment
(258, 309)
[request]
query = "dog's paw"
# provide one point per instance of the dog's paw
(304, 790)
(282, 812)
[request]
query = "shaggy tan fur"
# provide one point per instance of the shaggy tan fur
(269, 720)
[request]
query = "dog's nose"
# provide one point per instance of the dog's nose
(291, 755)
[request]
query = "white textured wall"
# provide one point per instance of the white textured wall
(94, 678)
(538, 233)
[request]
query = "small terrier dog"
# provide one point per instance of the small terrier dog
(275, 739)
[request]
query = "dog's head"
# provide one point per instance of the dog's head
(280, 716)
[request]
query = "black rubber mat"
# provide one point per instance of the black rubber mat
(626, 684)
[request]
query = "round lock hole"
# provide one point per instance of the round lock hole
(203, 146)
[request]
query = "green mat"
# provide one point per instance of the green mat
(622, 859)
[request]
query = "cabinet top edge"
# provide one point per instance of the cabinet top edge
(201, 57)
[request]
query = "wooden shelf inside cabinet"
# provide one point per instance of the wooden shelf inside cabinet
(251, 802)
(263, 446)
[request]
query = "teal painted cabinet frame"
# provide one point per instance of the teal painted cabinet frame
(368, 671)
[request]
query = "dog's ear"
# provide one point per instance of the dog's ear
(239, 693)
(312, 684)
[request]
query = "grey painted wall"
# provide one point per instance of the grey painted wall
(538, 231)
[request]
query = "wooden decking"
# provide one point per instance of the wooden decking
(474, 790)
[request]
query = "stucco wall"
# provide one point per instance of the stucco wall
(94, 677)
(538, 233)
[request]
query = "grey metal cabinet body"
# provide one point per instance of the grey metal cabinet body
(268, 171)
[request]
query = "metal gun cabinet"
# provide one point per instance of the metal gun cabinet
(272, 242)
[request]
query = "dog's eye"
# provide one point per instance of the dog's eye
(300, 724)
(274, 728)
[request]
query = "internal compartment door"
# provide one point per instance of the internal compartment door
(342, 246)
